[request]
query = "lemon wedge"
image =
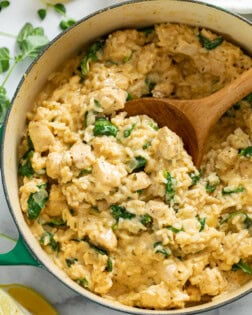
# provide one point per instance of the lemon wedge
(26, 300)
(8, 306)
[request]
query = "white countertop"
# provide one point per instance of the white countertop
(66, 301)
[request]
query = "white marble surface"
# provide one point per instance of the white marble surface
(65, 300)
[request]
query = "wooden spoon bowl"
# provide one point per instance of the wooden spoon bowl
(193, 119)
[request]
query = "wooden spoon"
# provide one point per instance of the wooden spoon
(193, 119)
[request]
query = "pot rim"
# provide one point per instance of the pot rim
(94, 297)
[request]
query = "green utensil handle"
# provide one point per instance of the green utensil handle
(19, 255)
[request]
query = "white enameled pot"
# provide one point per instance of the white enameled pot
(128, 14)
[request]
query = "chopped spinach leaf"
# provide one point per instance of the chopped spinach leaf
(160, 249)
(228, 191)
(85, 171)
(36, 202)
(153, 125)
(247, 220)
(127, 132)
(95, 208)
(157, 244)
(90, 56)
(121, 212)
(55, 222)
(169, 187)
(195, 178)
(100, 250)
(137, 164)
(211, 187)
(129, 97)
(29, 143)
(247, 152)
(70, 261)
(48, 239)
(248, 98)
(103, 127)
(236, 106)
(146, 145)
(210, 44)
(146, 220)
(83, 282)
(97, 103)
(202, 222)
(150, 85)
(147, 30)
(127, 58)
(25, 166)
(242, 265)
(109, 267)
(174, 230)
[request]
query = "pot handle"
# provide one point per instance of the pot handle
(19, 255)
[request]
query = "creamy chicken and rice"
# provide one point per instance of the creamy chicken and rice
(116, 201)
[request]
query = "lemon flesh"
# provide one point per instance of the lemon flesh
(27, 298)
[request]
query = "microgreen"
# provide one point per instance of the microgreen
(30, 42)
(65, 24)
(60, 8)
(4, 104)
(4, 59)
(4, 4)
(42, 14)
